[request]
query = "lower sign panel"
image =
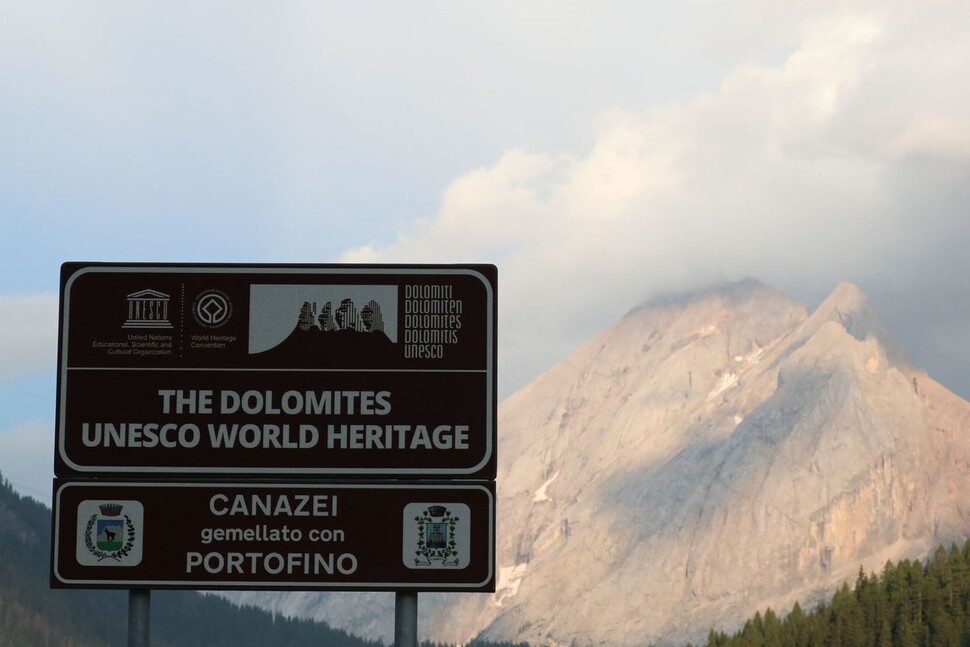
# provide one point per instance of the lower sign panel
(325, 536)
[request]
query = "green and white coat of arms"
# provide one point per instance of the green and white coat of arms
(436, 535)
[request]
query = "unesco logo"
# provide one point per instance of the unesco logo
(212, 308)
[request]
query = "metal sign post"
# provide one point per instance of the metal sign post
(139, 605)
(406, 619)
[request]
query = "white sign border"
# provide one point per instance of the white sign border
(279, 269)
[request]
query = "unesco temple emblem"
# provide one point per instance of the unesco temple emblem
(147, 309)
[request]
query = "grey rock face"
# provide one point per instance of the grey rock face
(704, 458)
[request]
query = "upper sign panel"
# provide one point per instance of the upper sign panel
(383, 371)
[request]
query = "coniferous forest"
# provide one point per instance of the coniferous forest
(909, 604)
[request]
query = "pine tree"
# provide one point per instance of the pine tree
(910, 604)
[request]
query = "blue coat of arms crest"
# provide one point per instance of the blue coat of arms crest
(436, 537)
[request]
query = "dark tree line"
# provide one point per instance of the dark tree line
(909, 604)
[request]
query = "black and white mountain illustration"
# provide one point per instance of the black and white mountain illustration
(322, 325)
(706, 457)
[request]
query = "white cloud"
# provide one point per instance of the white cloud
(801, 142)
(27, 458)
(28, 328)
(787, 172)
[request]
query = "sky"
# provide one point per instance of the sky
(597, 153)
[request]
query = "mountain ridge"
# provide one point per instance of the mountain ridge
(705, 457)
(818, 368)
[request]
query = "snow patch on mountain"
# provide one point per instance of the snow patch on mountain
(541, 494)
(508, 582)
(727, 381)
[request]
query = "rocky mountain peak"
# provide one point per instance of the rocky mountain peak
(847, 297)
(708, 455)
(848, 306)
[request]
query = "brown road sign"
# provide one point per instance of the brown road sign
(331, 536)
(277, 371)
